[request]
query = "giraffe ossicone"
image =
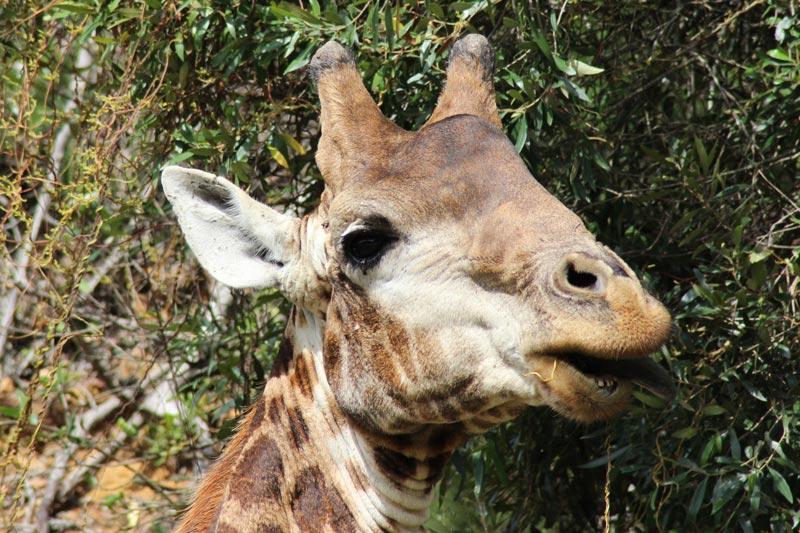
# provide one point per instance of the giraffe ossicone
(438, 291)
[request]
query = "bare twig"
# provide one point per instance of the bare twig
(18, 267)
(23, 255)
(62, 483)
(83, 426)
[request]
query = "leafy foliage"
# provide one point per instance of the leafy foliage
(671, 129)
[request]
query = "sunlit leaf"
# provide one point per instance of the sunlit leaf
(278, 156)
(583, 69)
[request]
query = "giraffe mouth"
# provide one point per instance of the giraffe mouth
(606, 374)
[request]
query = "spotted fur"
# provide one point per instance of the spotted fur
(438, 291)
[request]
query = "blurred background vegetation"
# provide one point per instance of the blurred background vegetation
(672, 128)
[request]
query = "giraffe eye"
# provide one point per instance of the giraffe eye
(364, 247)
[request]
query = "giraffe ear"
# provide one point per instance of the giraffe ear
(241, 242)
(354, 131)
(469, 89)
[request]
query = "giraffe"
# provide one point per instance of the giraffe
(438, 291)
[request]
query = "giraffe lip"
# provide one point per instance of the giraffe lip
(643, 372)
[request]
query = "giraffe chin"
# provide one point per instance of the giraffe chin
(589, 389)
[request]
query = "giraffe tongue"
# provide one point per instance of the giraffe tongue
(644, 372)
(648, 374)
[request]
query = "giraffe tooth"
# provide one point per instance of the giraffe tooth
(607, 384)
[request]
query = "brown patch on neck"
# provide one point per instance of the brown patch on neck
(259, 479)
(283, 360)
(301, 378)
(316, 504)
(207, 501)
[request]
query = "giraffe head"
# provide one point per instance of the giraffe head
(452, 288)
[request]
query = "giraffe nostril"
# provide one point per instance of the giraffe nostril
(582, 280)
(583, 274)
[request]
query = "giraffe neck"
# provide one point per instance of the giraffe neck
(299, 464)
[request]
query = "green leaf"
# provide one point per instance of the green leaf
(541, 42)
(129, 13)
(241, 171)
(74, 7)
(103, 40)
(204, 151)
(648, 400)
(436, 526)
(736, 447)
(574, 90)
(520, 133)
(436, 10)
(127, 427)
(702, 155)
(755, 493)
(714, 410)
(388, 22)
(757, 257)
(179, 49)
(292, 143)
(781, 485)
(758, 276)
(780, 55)
(583, 69)
(600, 162)
(724, 490)
(183, 156)
(11, 412)
(604, 460)
(563, 66)
(497, 460)
(478, 470)
(278, 156)
(467, 13)
(685, 433)
(288, 10)
(711, 446)
(302, 60)
(697, 499)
